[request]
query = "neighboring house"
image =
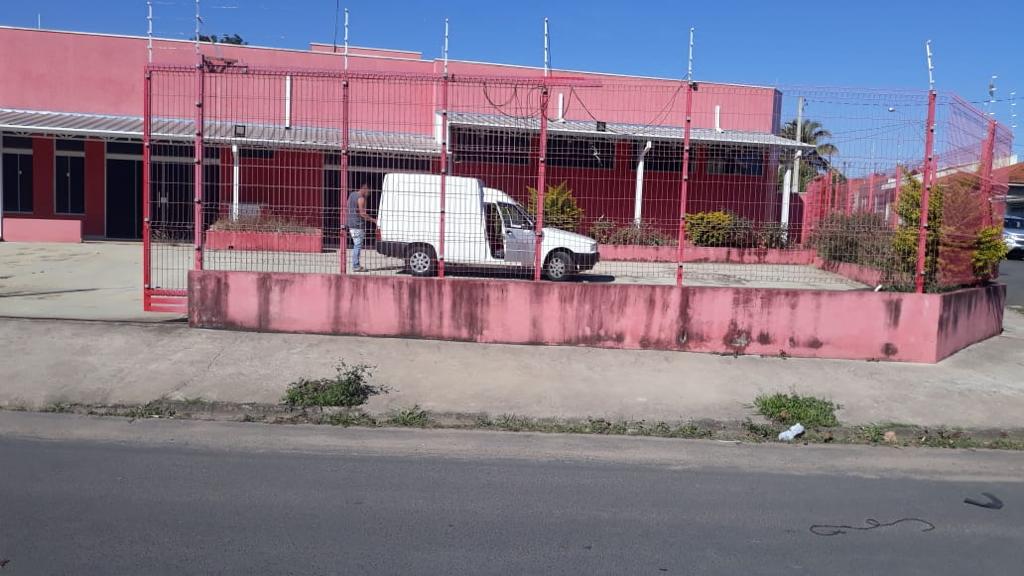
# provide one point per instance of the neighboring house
(1015, 193)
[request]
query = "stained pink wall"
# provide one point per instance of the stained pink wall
(822, 324)
(42, 230)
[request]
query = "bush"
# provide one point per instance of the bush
(560, 209)
(861, 238)
(349, 387)
(989, 250)
(711, 228)
(263, 223)
(605, 231)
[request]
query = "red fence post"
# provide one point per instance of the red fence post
(343, 191)
(197, 181)
(926, 189)
(896, 197)
(987, 159)
(871, 191)
(684, 186)
(542, 152)
(444, 172)
(147, 128)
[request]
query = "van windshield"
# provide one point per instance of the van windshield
(514, 216)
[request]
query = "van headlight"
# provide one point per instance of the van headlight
(593, 247)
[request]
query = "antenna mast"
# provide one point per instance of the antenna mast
(689, 61)
(199, 20)
(346, 39)
(149, 30)
(931, 68)
(445, 46)
(547, 50)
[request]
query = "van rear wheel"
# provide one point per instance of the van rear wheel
(559, 267)
(421, 261)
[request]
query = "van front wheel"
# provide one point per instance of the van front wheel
(421, 261)
(559, 267)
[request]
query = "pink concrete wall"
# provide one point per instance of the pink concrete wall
(969, 316)
(42, 230)
(824, 324)
(706, 254)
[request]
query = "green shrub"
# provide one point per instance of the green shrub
(860, 238)
(789, 409)
(349, 387)
(711, 228)
(605, 231)
(560, 209)
(989, 250)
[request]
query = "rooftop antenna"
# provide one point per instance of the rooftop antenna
(992, 95)
(149, 30)
(39, 20)
(1013, 110)
(346, 39)
(334, 42)
(689, 61)
(931, 68)
(547, 50)
(445, 51)
(199, 20)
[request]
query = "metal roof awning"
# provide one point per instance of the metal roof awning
(620, 130)
(216, 132)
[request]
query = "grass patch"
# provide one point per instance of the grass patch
(759, 431)
(349, 387)
(414, 417)
(788, 409)
(149, 410)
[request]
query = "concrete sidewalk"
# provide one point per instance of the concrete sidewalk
(48, 361)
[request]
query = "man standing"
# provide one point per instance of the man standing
(356, 223)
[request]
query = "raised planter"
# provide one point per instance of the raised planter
(311, 241)
(633, 253)
(851, 324)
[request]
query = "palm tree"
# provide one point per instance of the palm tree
(815, 161)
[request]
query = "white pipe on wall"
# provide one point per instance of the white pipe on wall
(718, 118)
(236, 174)
(638, 200)
(288, 101)
(787, 183)
(561, 107)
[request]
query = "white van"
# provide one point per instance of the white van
(484, 228)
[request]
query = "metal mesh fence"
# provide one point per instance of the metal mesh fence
(590, 179)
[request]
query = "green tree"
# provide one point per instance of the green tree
(560, 209)
(813, 162)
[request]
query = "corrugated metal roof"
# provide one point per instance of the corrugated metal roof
(622, 130)
(73, 124)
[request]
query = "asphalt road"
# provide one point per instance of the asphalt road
(1011, 273)
(191, 498)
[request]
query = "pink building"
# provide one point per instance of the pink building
(71, 108)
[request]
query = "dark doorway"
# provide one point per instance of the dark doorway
(173, 207)
(124, 199)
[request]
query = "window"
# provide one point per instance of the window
(514, 216)
(491, 147)
(133, 148)
(17, 177)
(574, 152)
(745, 161)
(665, 157)
(70, 145)
(70, 184)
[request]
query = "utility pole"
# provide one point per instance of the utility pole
(149, 31)
(547, 50)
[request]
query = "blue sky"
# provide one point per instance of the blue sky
(835, 43)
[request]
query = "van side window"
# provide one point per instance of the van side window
(514, 216)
